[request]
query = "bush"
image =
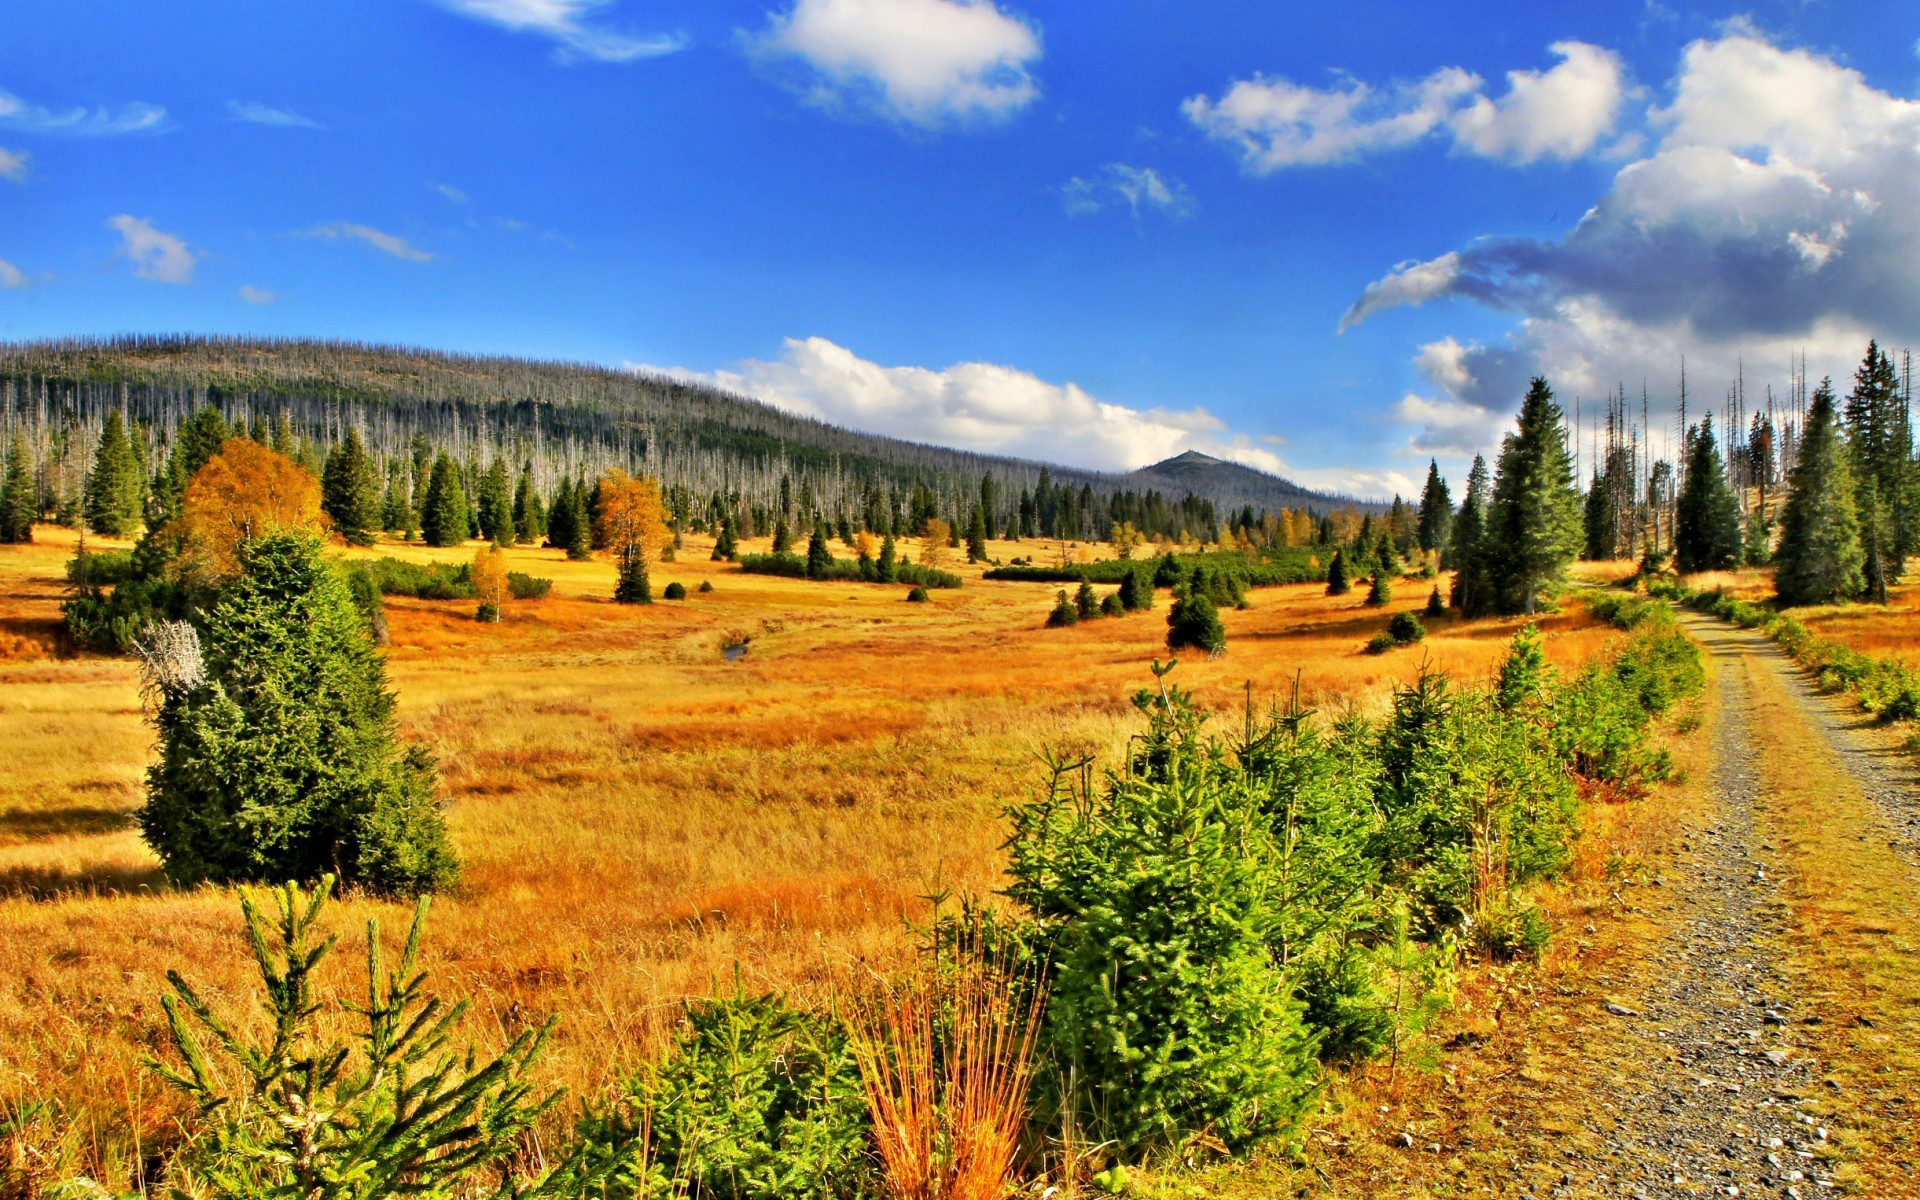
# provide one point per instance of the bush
(917, 595)
(1406, 629)
(706, 585)
(840, 570)
(1278, 566)
(675, 591)
(1064, 613)
(756, 1100)
(1436, 604)
(522, 586)
(1111, 606)
(1193, 621)
(102, 568)
(1085, 604)
(487, 614)
(424, 581)
(277, 751)
(1151, 900)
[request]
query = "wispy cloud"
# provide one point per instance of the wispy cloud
(137, 117)
(568, 25)
(254, 295)
(155, 255)
(452, 193)
(1138, 188)
(265, 114)
(13, 164)
(930, 63)
(386, 243)
(1562, 112)
(11, 276)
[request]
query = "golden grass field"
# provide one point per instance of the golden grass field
(638, 819)
(1892, 631)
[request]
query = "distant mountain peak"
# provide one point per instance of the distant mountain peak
(1191, 458)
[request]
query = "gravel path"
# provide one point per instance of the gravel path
(1715, 1106)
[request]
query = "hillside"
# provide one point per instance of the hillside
(564, 419)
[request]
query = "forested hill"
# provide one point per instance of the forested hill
(565, 420)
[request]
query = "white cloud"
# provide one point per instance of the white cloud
(13, 164)
(11, 276)
(1446, 426)
(976, 406)
(156, 255)
(386, 243)
(920, 62)
(452, 193)
(1135, 187)
(262, 114)
(1771, 215)
(1560, 113)
(568, 25)
(1278, 123)
(137, 117)
(1411, 284)
(254, 295)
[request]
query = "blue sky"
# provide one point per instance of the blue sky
(1327, 240)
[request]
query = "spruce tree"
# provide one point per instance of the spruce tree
(19, 499)
(1599, 521)
(1064, 613)
(819, 557)
(1887, 488)
(579, 526)
(633, 586)
(1472, 591)
(1381, 591)
(1337, 582)
(1533, 523)
(560, 519)
(1706, 529)
(279, 758)
(443, 518)
(529, 516)
(1194, 621)
(1085, 604)
(496, 505)
(1436, 512)
(350, 490)
(977, 537)
(783, 537)
(724, 547)
(114, 489)
(1819, 558)
(888, 567)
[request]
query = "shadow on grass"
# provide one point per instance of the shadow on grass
(55, 883)
(75, 819)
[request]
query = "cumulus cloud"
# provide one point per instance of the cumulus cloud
(155, 255)
(1560, 113)
(11, 276)
(1138, 188)
(264, 114)
(80, 121)
(254, 295)
(569, 24)
(930, 63)
(974, 405)
(1771, 215)
(386, 243)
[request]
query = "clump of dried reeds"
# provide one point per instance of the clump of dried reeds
(946, 1057)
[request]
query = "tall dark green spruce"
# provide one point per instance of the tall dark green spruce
(1887, 489)
(1472, 591)
(1706, 527)
(1337, 582)
(1436, 513)
(529, 514)
(819, 557)
(495, 504)
(350, 490)
(115, 490)
(1533, 524)
(443, 515)
(1599, 521)
(279, 757)
(1819, 559)
(19, 500)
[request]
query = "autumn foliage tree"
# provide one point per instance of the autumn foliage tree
(245, 491)
(933, 543)
(632, 524)
(489, 577)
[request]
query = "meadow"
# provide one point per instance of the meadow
(640, 821)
